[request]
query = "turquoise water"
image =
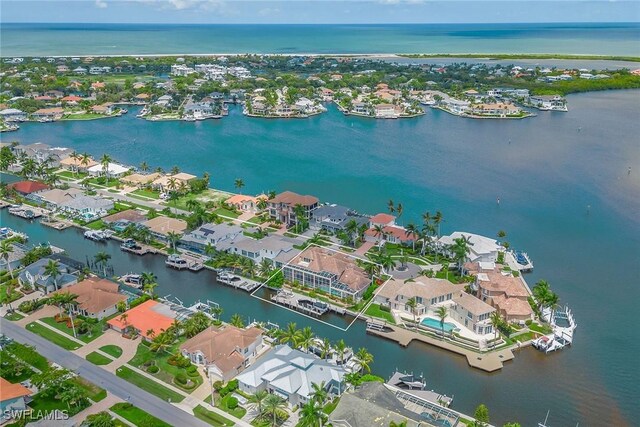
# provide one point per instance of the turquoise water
(84, 39)
(435, 324)
(546, 178)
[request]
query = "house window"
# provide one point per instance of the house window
(434, 300)
(419, 300)
(469, 315)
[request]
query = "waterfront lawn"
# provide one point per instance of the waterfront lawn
(137, 416)
(54, 337)
(524, 337)
(95, 329)
(145, 357)
(96, 225)
(103, 182)
(211, 417)
(98, 359)
(374, 310)
(542, 329)
(148, 385)
(145, 194)
(112, 350)
(226, 212)
(223, 404)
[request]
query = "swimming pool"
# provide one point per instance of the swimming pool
(435, 324)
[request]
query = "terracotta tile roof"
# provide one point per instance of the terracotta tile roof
(131, 215)
(164, 225)
(342, 265)
(95, 294)
(473, 304)
(10, 391)
(69, 161)
(424, 287)
(220, 346)
(292, 199)
(382, 218)
(28, 187)
(144, 318)
(512, 306)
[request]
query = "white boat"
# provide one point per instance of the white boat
(96, 235)
(563, 326)
(7, 233)
(176, 261)
(133, 280)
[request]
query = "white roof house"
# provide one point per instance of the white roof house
(483, 249)
(290, 374)
(114, 169)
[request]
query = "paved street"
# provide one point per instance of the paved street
(101, 377)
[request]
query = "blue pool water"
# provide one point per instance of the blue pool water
(435, 324)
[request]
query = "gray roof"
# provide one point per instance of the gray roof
(269, 243)
(292, 371)
(95, 203)
(34, 273)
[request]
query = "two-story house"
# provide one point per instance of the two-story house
(283, 207)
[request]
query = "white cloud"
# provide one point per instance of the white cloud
(101, 4)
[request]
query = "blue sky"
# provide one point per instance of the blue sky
(318, 11)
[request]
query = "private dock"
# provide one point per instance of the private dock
(490, 361)
(131, 246)
(230, 279)
(55, 223)
(179, 263)
(300, 303)
(26, 212)
(4, 204)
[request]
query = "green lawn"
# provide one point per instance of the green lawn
(94, 332)
(28, 355)
(14, 316)
(237, 412)
(42, 405)
(211, 417)
(148, 385)
(137, 416)
(96, 225)
(112, 350)
(167, 371)
(98, 359)
(100, 182)
(146, 194)
(375, 311)
(54, 337)
(91, 390)
(543, 329)
(71, 175)
(226, 212)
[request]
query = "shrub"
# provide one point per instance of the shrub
(385, 308)
(181, 378)
(233, 385)
(217, 386)
(528, 322)
(232, 402)
(153, 369)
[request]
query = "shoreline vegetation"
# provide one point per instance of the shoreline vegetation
(516, 56)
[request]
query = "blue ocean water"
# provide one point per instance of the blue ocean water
(111, 39)
(567, 198)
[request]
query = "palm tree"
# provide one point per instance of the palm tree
(238, 183)
(106, 159)
(496, 322)
(461, 248)
(151, 333)
(305, 338)
(10, 287)
(144, 166)
(173, 238)
(102, 258)
(412, 230)
(290, 335)
(192, 205)
(319, 393)
(442, 314)
(412, 303)
(341, 348)
(365, 359)
(311, 415)
(85, 158)
(351, 228)
(399, 210)
(265, 267)
(298, 210)
(272, 406)
(325, 348)
(5, 251)
(149, 288)
(236, 320)
(148, 277)
(161, 342)
(256, 400)
(175, 327)
(391, 206)
(72, 395)
(52, 269)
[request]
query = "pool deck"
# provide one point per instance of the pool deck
(490, 361)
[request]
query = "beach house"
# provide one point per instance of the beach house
(282, 207)
(481, 248)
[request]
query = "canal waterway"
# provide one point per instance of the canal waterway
(566, 194)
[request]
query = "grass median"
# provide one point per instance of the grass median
(211, 417)
(55, 337)
(137, 416)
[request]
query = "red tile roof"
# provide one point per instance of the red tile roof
(10, 391)
(28, 187)
(143, 318)
(382, 218)
(292, 199)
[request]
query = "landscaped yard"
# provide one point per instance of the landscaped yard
(375, 311)
(28, 355)
(91, 390)
(167, 372)
(95, 329)
(97, 358)
(96, 225)
(112, 350)
(14, 316)
(148, 385)
(146, 193)
(223, 404)
(211, 417)
(226, 212)
(54, 337)
(137, 416)
(543, 329)
(102, 182)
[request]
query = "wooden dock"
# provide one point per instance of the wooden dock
(4, 204)
(242, 284)
(488, 361)
(141, 250)
(55, 223)
(26, 212)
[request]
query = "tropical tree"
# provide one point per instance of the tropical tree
(273, 406)
(72, 395)
(411, 230)
(256, 400)
(496, 322)
(161, 342)
(481, 416)
(238, 183)
(265, 268)
(543, 295)
(319, 393)
(442, 314)
(412, 304)
(101, 419)
(289, 335)
(312, 415)
(305, 338)
(102, 258)
(391, 206)
(175, 170)
(106, 159)
(173, 238)
(325, 348)
(236, 320)
(461, 249)
(299, 212)
(144, 166)
(52, 269)
(6, 248)
(351, 228)
(365, 359)
(341, 349)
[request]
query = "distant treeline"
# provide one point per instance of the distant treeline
(522, 56)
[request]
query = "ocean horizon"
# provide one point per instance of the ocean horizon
(59, 39)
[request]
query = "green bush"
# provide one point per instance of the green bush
(153, 369)
(218, 385)
(385, 308)
(181, 378)
(233, 385)
(528, 322)
(232, 402)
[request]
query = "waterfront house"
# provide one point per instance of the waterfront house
(282, 207)
(387, 111)
(148, 320)
(211, 234)
(472, 312)
(142, 97)
(13, 115)
(27, 188)
(34, 275)
(290, 374)
(224, 352)
(330, 271)
(44, 153)
(484, 249)
(456, 106)
(508, 294)
(392, 234)
(181, 179)
(382, 219)
(81, 71)
(14, 258)
(161, 226)
(428, 293)
(495, 109)
(97, 86)
(97, 298)
(245, 203)
(77, 164)
(198, 109)
(106, 109)
(73, 201)
(278, 249)
(114, 170)
(120, 220)
(139, 179)
(548, 102)
(13, 399)
(334, 218)
(54, 113)
(164, 101)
